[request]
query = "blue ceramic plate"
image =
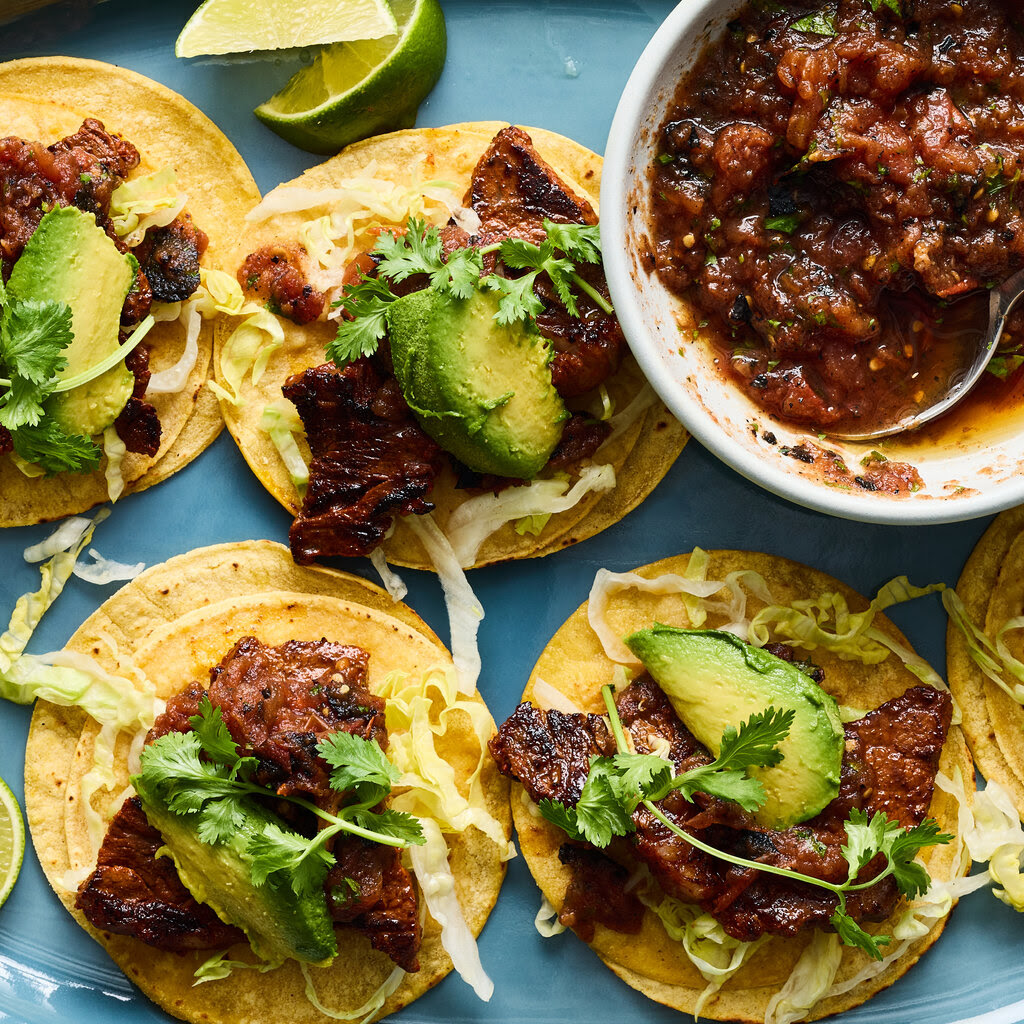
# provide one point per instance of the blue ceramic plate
(560, 65)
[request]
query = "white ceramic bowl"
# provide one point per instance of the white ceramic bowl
(968, 470)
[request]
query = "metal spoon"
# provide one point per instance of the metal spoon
(1001, 303)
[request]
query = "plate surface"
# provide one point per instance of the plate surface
(561, 65)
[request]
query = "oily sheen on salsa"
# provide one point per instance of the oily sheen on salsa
(836, 188)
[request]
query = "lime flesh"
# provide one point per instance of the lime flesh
(12, 841)
(358, 89)
(237, 26)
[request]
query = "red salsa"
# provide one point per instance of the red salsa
(836, 187)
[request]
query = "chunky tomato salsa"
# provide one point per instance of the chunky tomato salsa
(836, 187)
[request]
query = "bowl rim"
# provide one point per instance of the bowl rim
(679, 30)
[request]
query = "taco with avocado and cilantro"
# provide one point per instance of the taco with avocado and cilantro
(121, 203)
(985, 652)
(725, 782)
(295, 807)
(439, 342)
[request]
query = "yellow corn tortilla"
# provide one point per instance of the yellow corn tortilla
(43, 99)
(575, 664)
(176, 621)
(641, 456)
(992, 589)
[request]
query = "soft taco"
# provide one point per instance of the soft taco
(725, 940)
(142, 198)
(985, 652)
(518, 438)
(291, 668)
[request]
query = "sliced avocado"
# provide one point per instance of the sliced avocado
(277, 922)
(483, 391)
(70, 259)
(714, 680)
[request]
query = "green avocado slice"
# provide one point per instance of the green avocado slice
(714, 680)
(278, 923)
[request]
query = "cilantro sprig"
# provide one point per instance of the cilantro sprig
(616, 786)
(419, 251)
(202, 773)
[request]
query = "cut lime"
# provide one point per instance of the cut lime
(236, 26)
(12, 841)
(355, 90)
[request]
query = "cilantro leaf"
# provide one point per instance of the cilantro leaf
(417, 251)
(395, 824)
(599, 813)
(559, 814)
(757, 742)
(219, 820)
(819, 23)
(357, 763)
(911, 876)
(46, 445)
(275, 849)
(367, 303)
(787, 223)
(22, 404)
(517, 299)
(33, 334)
(893, 5)
(208, 725)
(852, 934)
(729, 784)
(580, 242)
(638, 775)
(460, 274)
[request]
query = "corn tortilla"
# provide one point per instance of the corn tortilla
(641, 456)
(574, 663)
(174, 622)
(168, 131)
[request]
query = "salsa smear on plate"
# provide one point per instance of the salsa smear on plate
(836, 187)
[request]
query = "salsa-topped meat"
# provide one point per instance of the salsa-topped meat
(889, 764)
(277, 703)
(827, 179)
(371, 461)
(138, 424)
(277, 274)
(134, 892)
(169, 258)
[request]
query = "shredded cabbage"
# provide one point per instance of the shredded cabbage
(532, 525)
(465, 612)
(245, 348)
(281, 422)
(217, 968)
(219, 292)
(115, 450)
(546, 922)
(393, 583)
(809, 981)
(368, 1009)
(715, 954)
(477, 518)
(174, 378)
(625, 418)
(994, 659)
(67, 534)
(29, 469)
(437, 883)
(105, 570)
(430, 780)
(546, 696)
(150, 201)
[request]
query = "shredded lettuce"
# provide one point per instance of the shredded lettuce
(465, 612)
(115, 450)
(477, 518)
(150, 201)
(715, 954)
(281, 422)
(217, 968)
(809, 981)
(546, 922)
(29, 469)
(219, 292)
(532, 525)
(368, 1009)
(251, 345)
(174, 378)
(437, 883)
(993, 658)
(430, 780)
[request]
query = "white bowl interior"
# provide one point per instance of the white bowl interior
(969, 470)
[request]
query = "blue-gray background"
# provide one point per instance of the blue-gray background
(559, 65)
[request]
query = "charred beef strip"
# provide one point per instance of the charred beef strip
(597, 894)
(889, 765)
(169, 258)
(134, 892)
(278, 703)
(371, 461)
(138, 424)
(276, 274)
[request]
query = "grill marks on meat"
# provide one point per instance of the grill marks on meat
(169, 257)
(597, 894)
(133, 892)
(277, 274)
(277, 703)
(889, 764)
(371, 461)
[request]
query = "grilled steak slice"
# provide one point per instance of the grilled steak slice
(889, 764)
(369, 890)
(138, 424)
(597, 894)
(134, 892)
(371, 461)
(277, 274)
(581, 437)
(169, 257)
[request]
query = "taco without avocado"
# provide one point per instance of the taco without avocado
(119, 199)
(445, 346)
(801, 737)
(290, 799)
(985, 652)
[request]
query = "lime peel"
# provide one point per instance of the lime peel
(12, 841)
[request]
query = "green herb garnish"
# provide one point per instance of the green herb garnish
(820, 23)
(788, 223)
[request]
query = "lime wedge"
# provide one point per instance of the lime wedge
(12, 841)
(358, 89)
(236, 26)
